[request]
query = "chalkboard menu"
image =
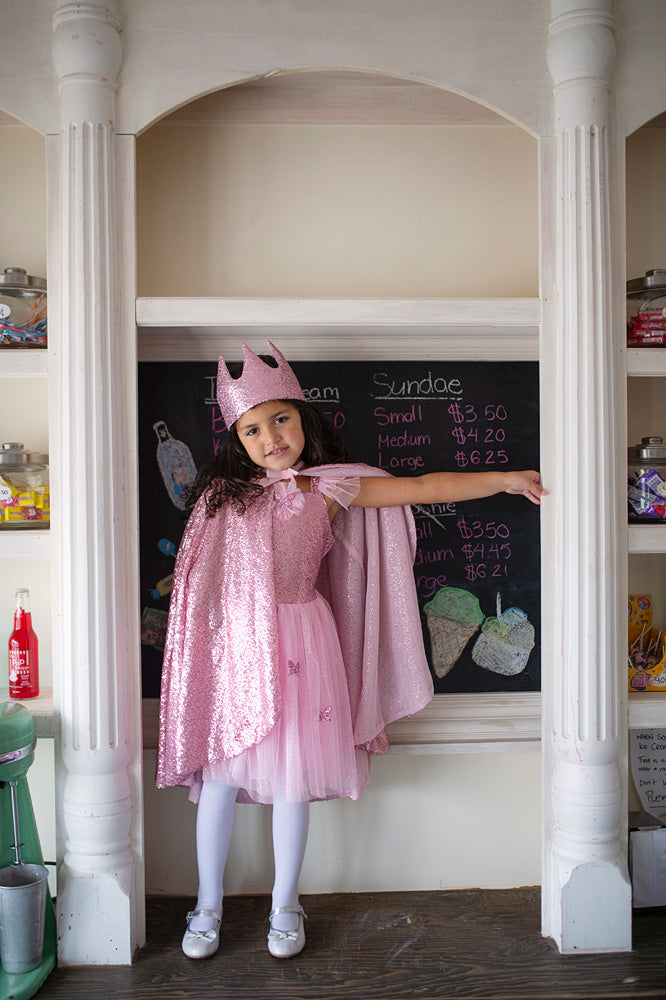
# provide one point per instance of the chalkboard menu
(477, 566)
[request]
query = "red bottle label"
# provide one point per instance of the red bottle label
(23, 660)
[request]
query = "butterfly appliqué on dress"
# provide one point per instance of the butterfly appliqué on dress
(294, 668)
(288, 498)
(325, 714)
(289, 501)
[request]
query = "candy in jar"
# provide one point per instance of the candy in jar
(647, 480)
(24, 487)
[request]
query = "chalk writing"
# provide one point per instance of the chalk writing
(648, 767)
(416, 388)
(322, 394)
(471, 435)
(409, 418)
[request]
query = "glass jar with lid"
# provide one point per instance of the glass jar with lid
(647, 480)
(646, 310)
(22, 309)
(24, 487)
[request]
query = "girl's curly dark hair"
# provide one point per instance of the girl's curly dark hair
(231, 476)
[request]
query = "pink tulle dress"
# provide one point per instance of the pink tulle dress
(309, 754)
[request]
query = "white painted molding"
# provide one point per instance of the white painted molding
(646, 362)
(429, 312)
(584, 710)
(99, 904)
(32, 543)
(338, 343)
(336, 329)
(24, 363)
(647, 709)
(646, 538)
(451, 723)
(470, 723)
(333, 97)
(87, 54)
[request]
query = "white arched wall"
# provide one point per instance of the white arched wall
(421, 802)
(234, 200)
(190, 54)
(447, 45)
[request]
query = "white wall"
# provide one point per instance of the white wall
(346, 210)
(337, 210)
(23, 199)
(646, 200)
(438, 822)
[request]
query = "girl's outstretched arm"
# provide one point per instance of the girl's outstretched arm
(446, 487)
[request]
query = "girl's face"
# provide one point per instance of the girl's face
(272, 435)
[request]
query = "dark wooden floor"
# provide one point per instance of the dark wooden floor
(478, 945)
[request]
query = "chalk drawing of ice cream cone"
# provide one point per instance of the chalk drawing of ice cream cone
(176, 464)
(453, 616)
(505, 642)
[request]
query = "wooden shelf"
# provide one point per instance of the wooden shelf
(647, 709)
(646, 362)
(335, 312)
(25, 543)
(460, 329)
(16, 363)
(647, 538)
(41, 709)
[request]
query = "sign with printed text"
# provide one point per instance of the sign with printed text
(648, 768)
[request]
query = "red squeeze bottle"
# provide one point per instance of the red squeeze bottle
(23, 652)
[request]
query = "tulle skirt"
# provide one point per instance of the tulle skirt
(309, 754)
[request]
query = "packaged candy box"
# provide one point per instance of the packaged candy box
(647, 647)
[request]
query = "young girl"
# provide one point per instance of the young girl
(270, 692)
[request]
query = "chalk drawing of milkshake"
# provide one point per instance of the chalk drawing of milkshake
(176, 464)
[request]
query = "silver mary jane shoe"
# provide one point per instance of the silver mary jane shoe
(286, 944)
(202, 944)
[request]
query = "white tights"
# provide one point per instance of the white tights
(215, 820)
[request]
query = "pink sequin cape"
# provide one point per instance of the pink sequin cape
(220, 690)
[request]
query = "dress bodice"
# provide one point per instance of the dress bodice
(301, 538)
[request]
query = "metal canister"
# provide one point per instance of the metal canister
(646, 480)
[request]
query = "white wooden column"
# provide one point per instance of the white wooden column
(586, 891)
(100, 891)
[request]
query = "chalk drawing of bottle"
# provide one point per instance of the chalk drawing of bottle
(176, 464)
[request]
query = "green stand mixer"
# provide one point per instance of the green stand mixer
(22, 872)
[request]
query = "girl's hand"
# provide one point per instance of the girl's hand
(528, 483)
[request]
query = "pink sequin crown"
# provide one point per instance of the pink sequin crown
(258, 383)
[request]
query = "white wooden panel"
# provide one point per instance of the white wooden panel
(456, 329)
(27, 543)
(646, 538)
(24, 363)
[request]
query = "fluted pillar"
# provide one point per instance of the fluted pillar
(100, 895)
(586, 892)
